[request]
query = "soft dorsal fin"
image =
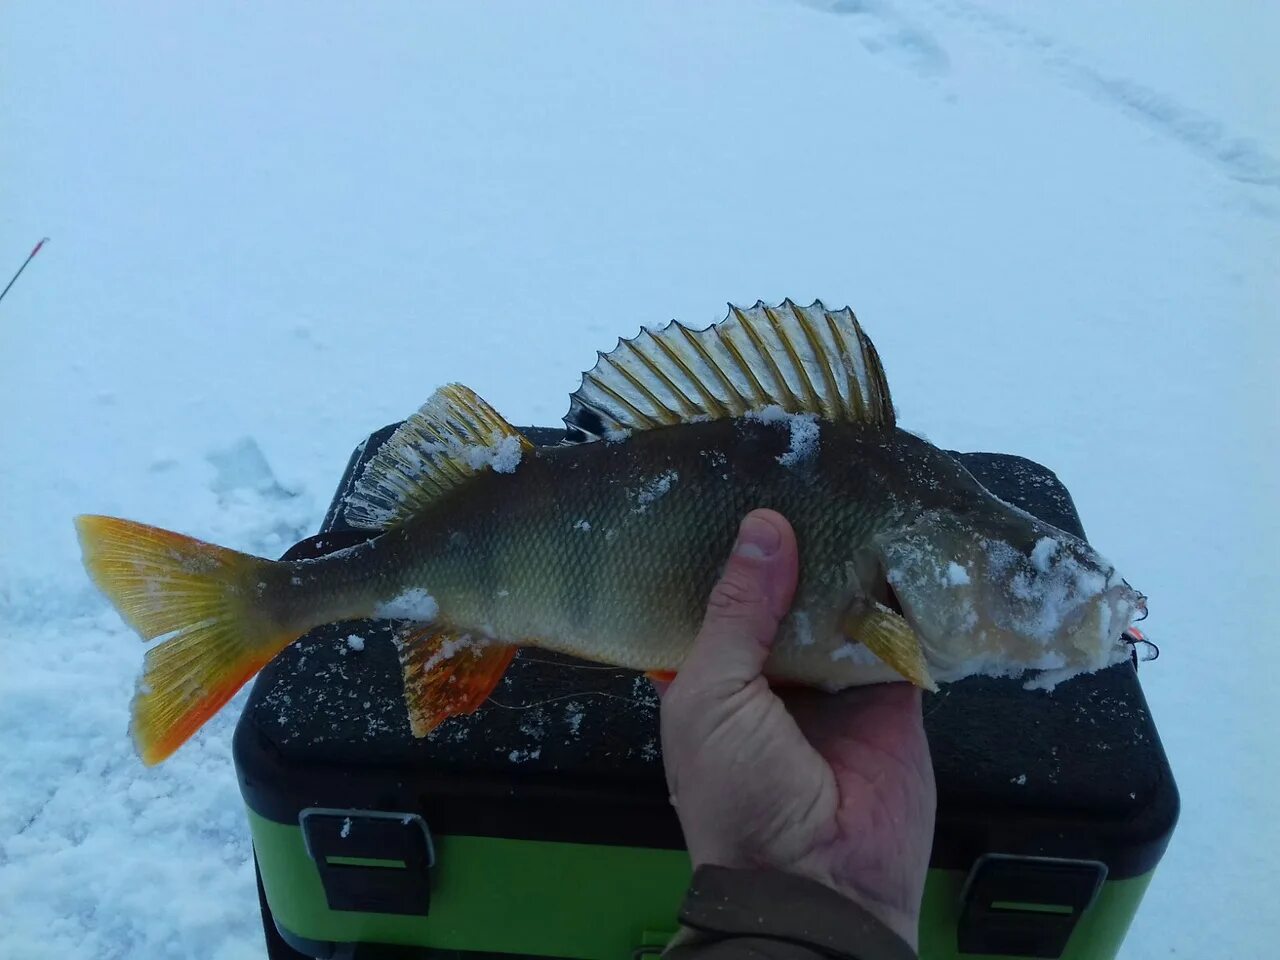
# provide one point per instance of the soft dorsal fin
(451, 438)
(802, 359)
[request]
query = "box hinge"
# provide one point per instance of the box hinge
(1025, 906)
(371, 861)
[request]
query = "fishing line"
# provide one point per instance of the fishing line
(30, 257)
(570, 666)
(566, 696)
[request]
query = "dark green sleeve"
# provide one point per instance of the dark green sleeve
(769, 915)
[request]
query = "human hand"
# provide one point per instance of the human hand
(834, 787)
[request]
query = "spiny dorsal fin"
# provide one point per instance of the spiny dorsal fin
(451, 438)
(803, 359)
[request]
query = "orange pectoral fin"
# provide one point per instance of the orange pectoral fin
(447, 673)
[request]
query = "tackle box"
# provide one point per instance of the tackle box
(540, 825)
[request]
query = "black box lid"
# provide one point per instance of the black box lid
(567, 750)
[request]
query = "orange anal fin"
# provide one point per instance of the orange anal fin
(660, 676)
(447, 673)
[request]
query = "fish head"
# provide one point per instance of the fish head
(1007, 595)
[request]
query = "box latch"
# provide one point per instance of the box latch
(1025, 906)
(371, 861)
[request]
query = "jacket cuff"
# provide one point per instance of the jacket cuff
(724, 904)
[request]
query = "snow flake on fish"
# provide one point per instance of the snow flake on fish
(355, 642)
(412, 604)
(506, 455)
(654, 490)
(616, 435)
(1053, 592)
(583, 525)
(1050, 675)
(955, 575)
(856, 653)
(502, 454)
(451, 648)
(804, 439)
(520, 756)
(804, 428)
(1043, 552)
(803, 628)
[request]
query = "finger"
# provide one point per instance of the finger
(743, 610)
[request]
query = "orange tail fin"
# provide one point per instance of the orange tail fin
(165, 583)
(447, 673)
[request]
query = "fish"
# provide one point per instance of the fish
(606, 546)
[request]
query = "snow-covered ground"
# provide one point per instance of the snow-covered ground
(276, 227)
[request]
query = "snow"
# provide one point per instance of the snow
(804, 440)
(355, 642)
(1042, 553)
(1054, 593)
(503, 454)
(653, 490)
(803, 626)
(855, 653)
(574, 714)
(413, 603)
(1055, 611)
(1057, 221)
(450, 648)
(803, 427)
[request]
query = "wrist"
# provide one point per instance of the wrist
(770, 904)
(902, 920)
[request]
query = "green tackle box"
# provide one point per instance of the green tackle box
(540, 825)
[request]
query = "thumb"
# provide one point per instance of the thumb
(745, 605)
